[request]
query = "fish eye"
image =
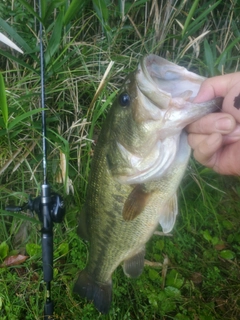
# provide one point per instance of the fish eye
(124, 99)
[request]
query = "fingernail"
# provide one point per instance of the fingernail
(223, 124)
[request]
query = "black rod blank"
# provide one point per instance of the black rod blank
(47, 228)
(42, 64)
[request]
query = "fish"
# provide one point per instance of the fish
(139, 161)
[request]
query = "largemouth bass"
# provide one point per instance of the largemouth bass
(139, 161)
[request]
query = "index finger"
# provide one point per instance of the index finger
(217, 86)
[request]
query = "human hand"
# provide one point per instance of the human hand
(215, 138)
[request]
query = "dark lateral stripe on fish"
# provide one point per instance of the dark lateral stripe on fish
(101, 253)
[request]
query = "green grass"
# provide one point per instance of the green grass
(199, 278)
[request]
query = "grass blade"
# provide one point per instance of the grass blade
(9, 43)
(55, 39)
(209, 57)
(19, 61)
(102, 11)
(75, 8)
(189, 16)
(30, 9)
(23, 116)
(3, 101)
(16, 37)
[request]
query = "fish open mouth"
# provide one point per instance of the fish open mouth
(157, 76)
(168, 91)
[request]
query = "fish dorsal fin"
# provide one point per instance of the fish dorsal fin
(168, 214)
(134, 266)
(135, 203)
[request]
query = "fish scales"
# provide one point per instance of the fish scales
(113, 234)
(139, 161)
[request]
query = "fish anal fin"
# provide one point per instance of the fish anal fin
(99, 293)
(168, 214)
(82, 225)
(135, 203)
(134, 266)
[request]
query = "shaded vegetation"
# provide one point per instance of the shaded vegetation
(199, 276)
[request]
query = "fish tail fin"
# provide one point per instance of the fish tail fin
(99, 293)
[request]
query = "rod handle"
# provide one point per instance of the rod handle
(48, 310)
(47, 255)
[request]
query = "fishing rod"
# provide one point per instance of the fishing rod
(49, 206)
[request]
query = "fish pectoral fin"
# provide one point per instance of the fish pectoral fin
(134, 266)
(82, 225)
(99, 293)
(168, 214)
(135, 203)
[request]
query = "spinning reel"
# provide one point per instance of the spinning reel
(56, 207)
